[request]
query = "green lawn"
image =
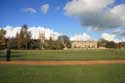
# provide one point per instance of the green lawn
(114, 73)
(62, 74)
(108, 54)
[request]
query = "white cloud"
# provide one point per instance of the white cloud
(78, 7)
(123, 39)
(96, 13)
(119, 31)
(119, 11)
(29, 10)
(81, 37)
(45, 8)
(48, 32)
(11, 32)
(110, 37)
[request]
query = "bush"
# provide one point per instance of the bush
(53, 44)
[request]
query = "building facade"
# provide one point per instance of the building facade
(42, 39)
(84, 44)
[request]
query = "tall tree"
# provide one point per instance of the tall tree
(2, 38)
(65, 41)
(20, 40)
(24, 38)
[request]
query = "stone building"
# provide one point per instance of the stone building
(42, 39)
(84, 44)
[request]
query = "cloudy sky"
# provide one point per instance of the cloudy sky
(78, 19)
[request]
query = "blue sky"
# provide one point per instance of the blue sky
(12, 14)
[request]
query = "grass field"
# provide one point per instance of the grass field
(62, 74)
(113, 73)
(107, 54)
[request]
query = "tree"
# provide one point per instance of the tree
(12, 43)
(24, 38)
(59, 45)
(53, 44)
(111, 44)
(49, 44)
(107, 44)
(65, 41)
(121, 45)
(102, 43)
(2, 39)
(27, 36)
(20, 40)
(35, 44)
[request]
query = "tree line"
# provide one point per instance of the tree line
(23, 40)
(110, 44)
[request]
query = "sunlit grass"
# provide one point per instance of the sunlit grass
(107, 54)
(62, 74)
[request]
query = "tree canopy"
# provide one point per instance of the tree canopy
(65, 41)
